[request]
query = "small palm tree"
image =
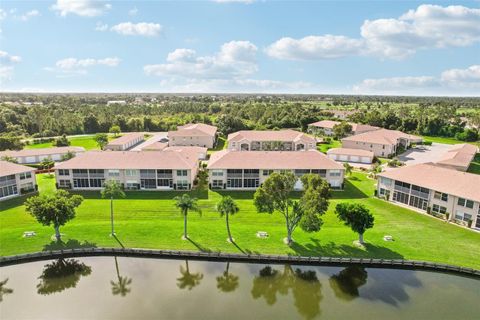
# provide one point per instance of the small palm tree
(4, 290)
(188, 280)
(348, 168)
(110, 191)
(121, 286)
(227, 282)
(186, 203)
(227, 207)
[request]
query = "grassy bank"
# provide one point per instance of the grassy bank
(81, 141)
(150, 220)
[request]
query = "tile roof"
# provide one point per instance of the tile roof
(131, 160)
(351, 152)
(231, 159)
(269, 135)
(126, 138)
(8, 168)
(434, 177)
(156, 146)
(356, 127)
(460, 155)
(40, 151)
(381, 136)
(194, 129)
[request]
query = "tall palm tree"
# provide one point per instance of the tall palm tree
(227, 207)
(186, 203)
(110, 191)
(227, 282)
(188, 280)
(121, 286)
(4, 290)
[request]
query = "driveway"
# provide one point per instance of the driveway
(157, 136)
(424, 154)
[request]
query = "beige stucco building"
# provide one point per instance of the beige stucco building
(239, 170)
(431, 188)
(134, 170)
(193, 134)
(350, 155)
(125, 142)
(16, 180)
(269, 140)
(325, 127)
(32, 156)
(459, 157)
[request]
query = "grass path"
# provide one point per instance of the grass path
(150, 220)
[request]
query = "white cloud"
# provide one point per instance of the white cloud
(83, 8)
(6, 72)
(453, 81)
(315, 47)
(101, 26)
(3, 14)
(428, 26)
(236, 59)
(133, 12)
(30, 14)
(138, 29)
(74, 66)
(7, 62)
(6, 58)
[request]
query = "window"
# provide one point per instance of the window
(217, 173)
(8, 191)
(440, 196)
(25, 175)
(131, 172)
(439, 209)
(335, 173)
(418, 202)
(182, 173)
(465, 203)
(148, 183)
(182, 184)
(234, 183)
(165, 183)
(385, 181)
(250, 183)
(96, 183)
(164, 172)
(217, 184)
(321, 172)
(113, 173)
(80, 183)
(459, 215)
(400, 197)
(301, 172)
(63, 172)
(267, 172)
(64, 183)
(96, 171)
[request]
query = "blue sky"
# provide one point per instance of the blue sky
(353, 47)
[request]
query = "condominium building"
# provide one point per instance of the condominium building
(382, 142)
(230, 169)
(325, 127)
(134, 170)
(16, 180)
(32, 156)
(193, 134)
(459, 157)
(281, 140)
(350, 155)
(125, 142)
(435, 189)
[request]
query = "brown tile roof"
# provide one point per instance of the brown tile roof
(156, 146)
(381, 136)
(269, 135)
(351, 152)
(325, 124)
(460, 155)
(194, 129)
(434, 177)
(41, 151)
(130, 160)
(126, 138)
(356, 127)
(230, 159)
(8, 168)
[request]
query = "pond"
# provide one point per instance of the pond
(142, 288)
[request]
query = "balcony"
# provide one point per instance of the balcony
(402, 189)
(10, 182)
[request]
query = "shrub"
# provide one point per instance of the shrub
(427, 143)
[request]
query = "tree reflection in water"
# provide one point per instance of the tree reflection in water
(305, 287)
(227, 282)
(4, 290)
(60, 275)
(188, 280)
(120, 287)
(345, 284)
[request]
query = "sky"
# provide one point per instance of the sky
(241, 46)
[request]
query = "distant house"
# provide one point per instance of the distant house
(33, 156)
(230, 169)
(342, 114)
(281, 140)
(16, 180)
(459, 157)
(351, 155)
(134, 170)
(193, 134)
(125, 142)
(435, 189)
(382, 142)
(326, 127)
(120, 102)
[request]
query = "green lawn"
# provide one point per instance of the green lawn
(150, 220)
(475, 165)
(82, 141)
(221, 144)
(446, 140)
(324, 147)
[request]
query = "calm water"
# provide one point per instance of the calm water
(135, 288)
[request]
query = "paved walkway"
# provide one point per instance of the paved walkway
(157, 136)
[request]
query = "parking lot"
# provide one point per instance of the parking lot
(422, 154)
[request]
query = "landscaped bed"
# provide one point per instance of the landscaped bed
(150, 220)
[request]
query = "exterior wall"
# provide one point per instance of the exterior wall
(126, 146)
(20, 183)
(321, 130)
(350, 158)
(130, 179)
(451, 205)
(199, 141)
(379, 150)
(308, 144)
(220, 175)
(39, 158)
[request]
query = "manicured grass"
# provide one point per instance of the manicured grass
(446, 140)
(81, 141)
(324, 147)
(150, 220)
(475, 165)
(221, 144)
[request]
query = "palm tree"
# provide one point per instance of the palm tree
(112, 190)
(227, 282)
(348, 168)
(121, 286)
(186, 203)
(188, 280)
(4, 290)
(227, 207)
